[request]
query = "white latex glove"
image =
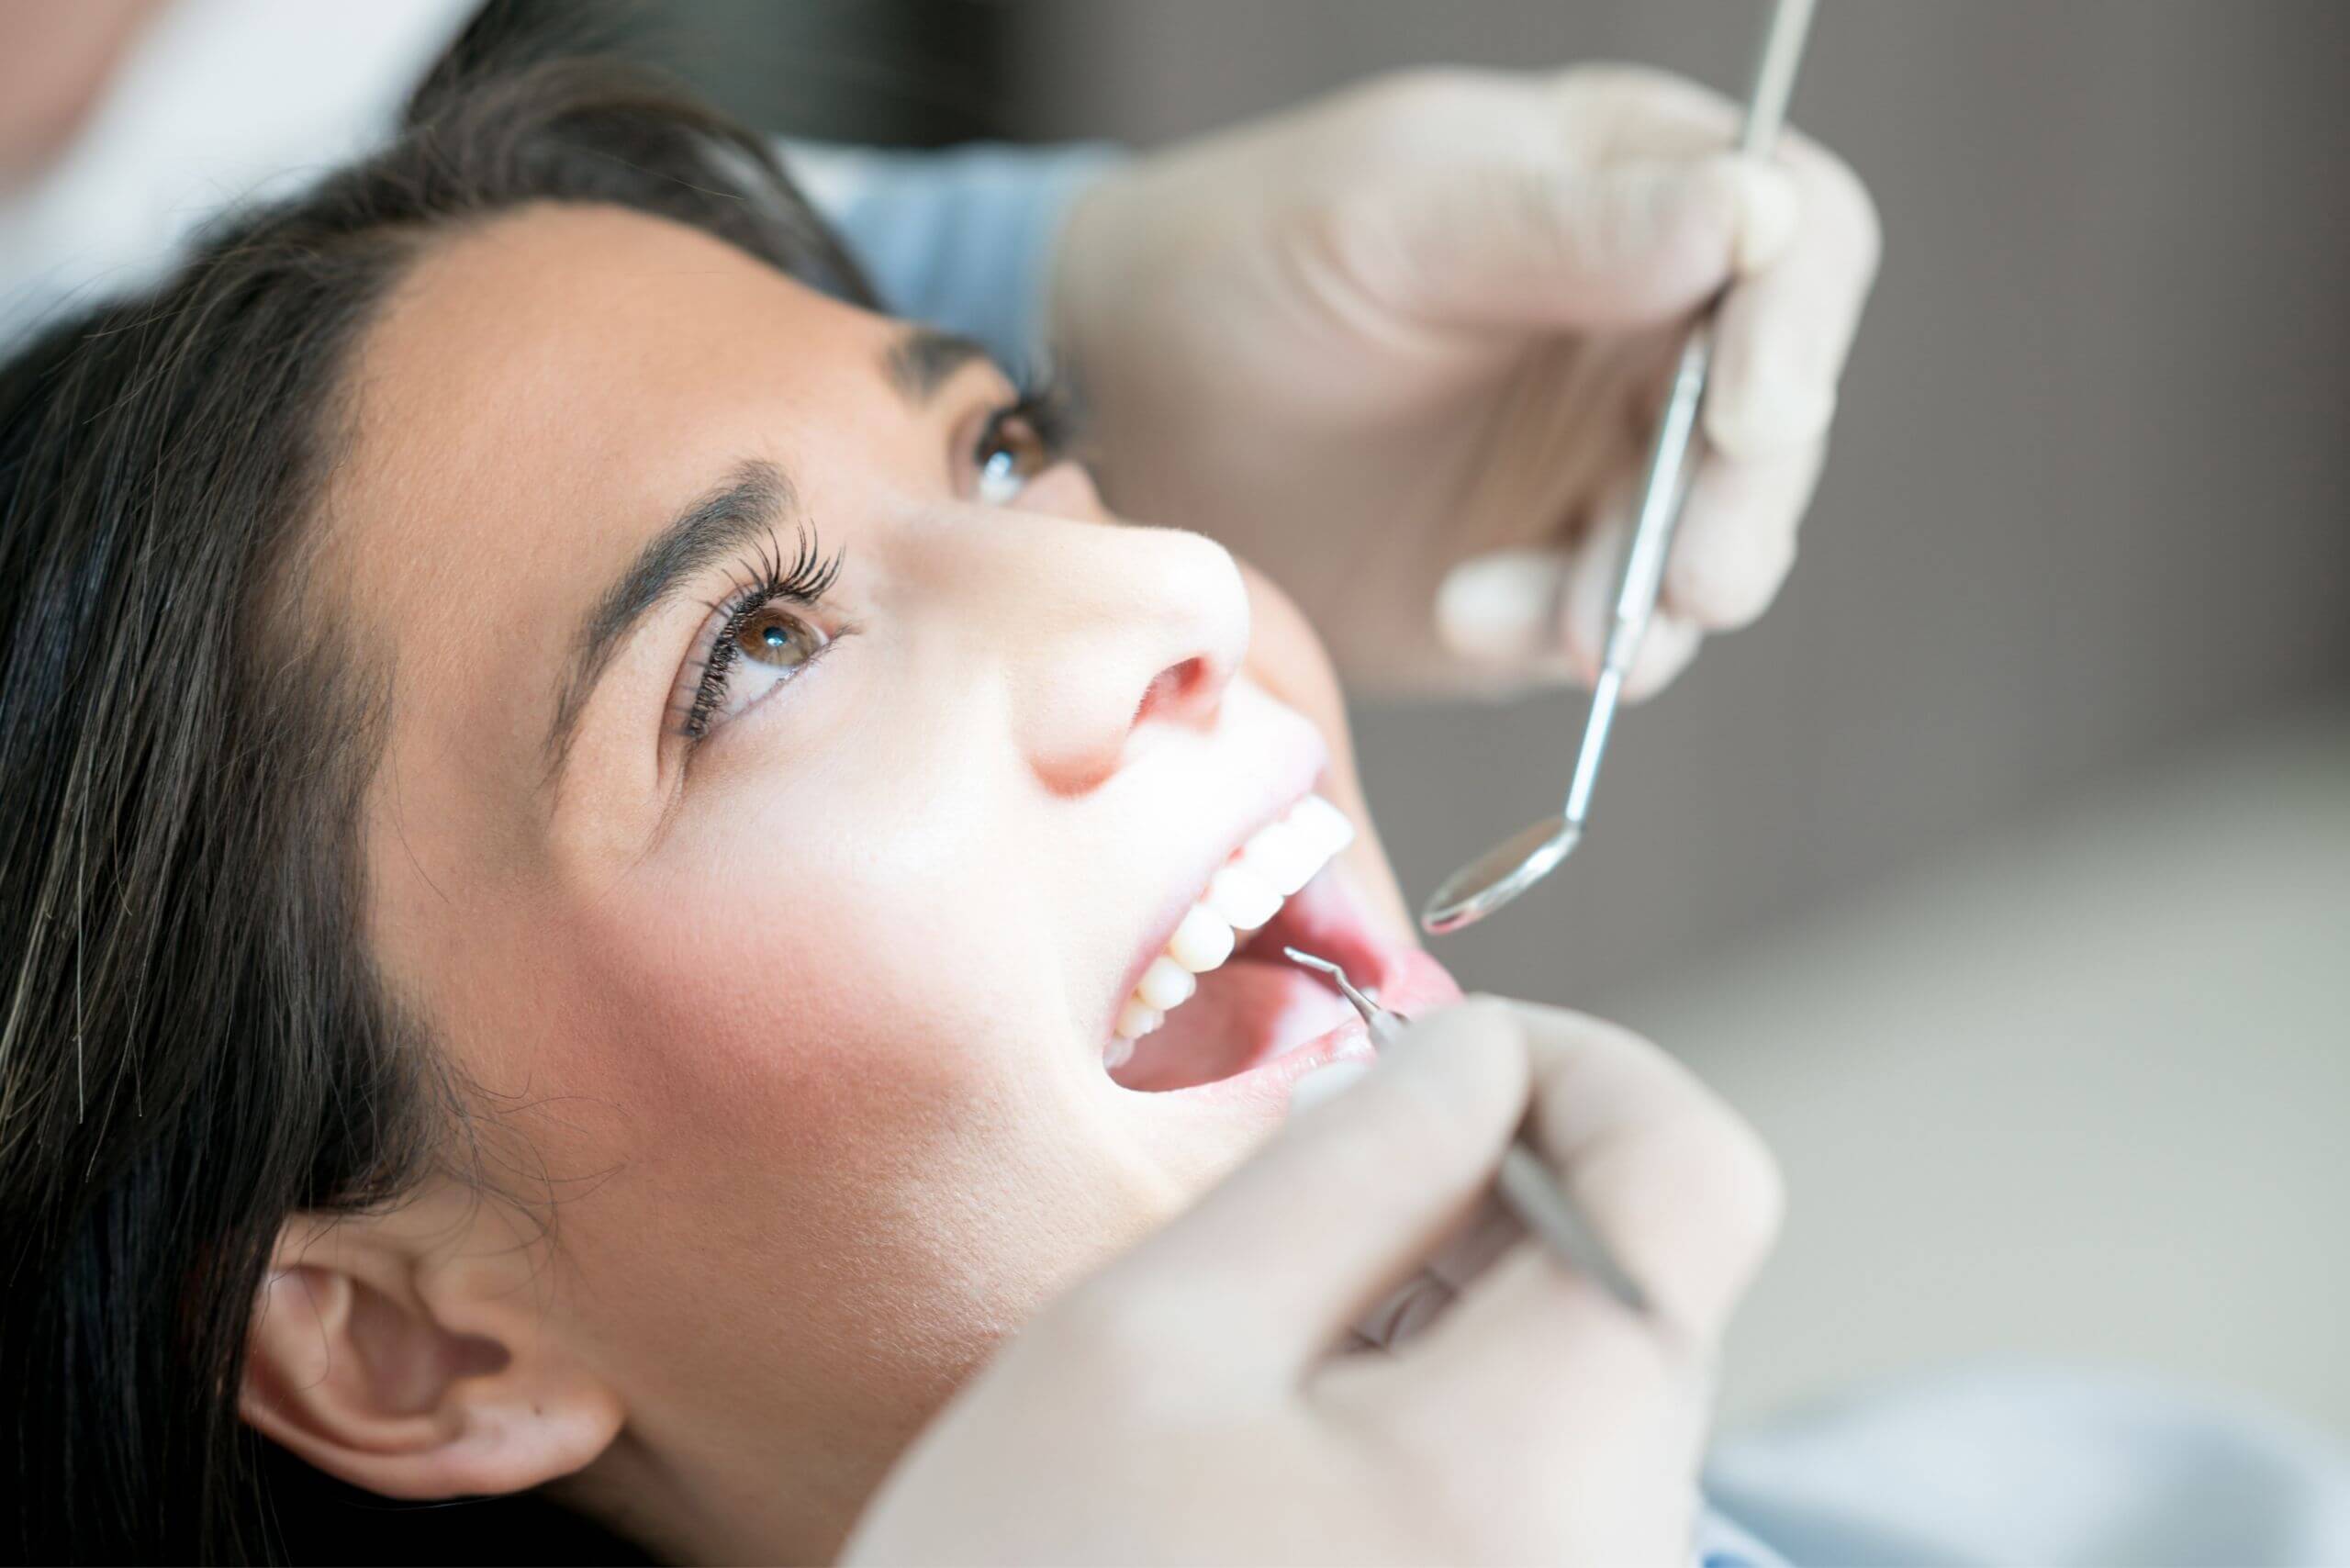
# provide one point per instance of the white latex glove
(1190, 1403)
(1403, 348)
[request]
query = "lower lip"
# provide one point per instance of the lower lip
(1408, 983)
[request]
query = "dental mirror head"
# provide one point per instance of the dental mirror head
(1499, 875)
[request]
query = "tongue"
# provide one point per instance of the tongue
(1243, 1015)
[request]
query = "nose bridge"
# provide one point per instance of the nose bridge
(1137, 626)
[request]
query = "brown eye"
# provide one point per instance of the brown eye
(777, 639)
(1009, 452)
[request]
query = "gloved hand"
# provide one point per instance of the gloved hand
(1405, 348)
(1190, 1402)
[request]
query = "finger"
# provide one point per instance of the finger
(1543, 242)
(1782, 332)
(1273, 1263)
(1540, 611)
(1633, 117)
(1588, 612)
(1474, 1246)
(1634, 112)
(1675, 1184)
(1668, 647)
(1587, 603)
(1500, 611)
(1533, 1356)
(1781, 336)
(1737, 538)
(1508, 613)
(1545, 1369)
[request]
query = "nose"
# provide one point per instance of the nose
(1142, 627)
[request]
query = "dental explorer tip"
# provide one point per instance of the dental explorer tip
(1371, 1012)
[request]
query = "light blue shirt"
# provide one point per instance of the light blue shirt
(962, 240)
(2040, 1465)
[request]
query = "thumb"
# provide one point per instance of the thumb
(1529, 246)
(1504, 610)
(1541, 615)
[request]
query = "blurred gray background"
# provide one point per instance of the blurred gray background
(2002, 874)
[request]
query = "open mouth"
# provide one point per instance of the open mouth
(1219, 999)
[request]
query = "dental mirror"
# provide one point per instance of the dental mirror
(1499, 875)
(1515, 864)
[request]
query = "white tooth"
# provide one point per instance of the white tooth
(1201, 942)
(1284, 857)
(1117, 1053)
(1324, 823)
(1269, 852)
(1244, 900)
(1166, 984)
(1138, 1018)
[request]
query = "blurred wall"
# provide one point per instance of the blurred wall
(2091, 493)
(885, 72)
(2090, 496)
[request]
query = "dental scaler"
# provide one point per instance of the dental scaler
(1515, 864)
(1525, 1182)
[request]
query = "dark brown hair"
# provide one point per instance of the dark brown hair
(193, 1041)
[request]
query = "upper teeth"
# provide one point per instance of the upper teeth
(1244, 894)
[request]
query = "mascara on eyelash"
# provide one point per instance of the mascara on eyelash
(1048, 405)
(809, 576)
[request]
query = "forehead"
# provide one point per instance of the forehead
(538, 394)
(588, 349)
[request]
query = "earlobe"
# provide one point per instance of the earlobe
(414, 1382)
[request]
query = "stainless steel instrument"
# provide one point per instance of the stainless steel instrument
(1515, 864)
(1525, 1182)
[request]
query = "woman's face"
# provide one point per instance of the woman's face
(787, 915)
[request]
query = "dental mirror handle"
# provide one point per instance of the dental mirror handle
(1672, 461)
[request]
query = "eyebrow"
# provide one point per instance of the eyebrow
(743, 508)
(924, 359)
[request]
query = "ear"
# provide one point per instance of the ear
(406, 1354)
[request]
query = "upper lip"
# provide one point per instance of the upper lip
(1302, 779)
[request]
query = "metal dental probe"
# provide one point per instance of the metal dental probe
(1526, 1184)
(1515, 864)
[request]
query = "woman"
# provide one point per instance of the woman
(618, 869)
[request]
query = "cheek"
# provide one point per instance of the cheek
(1287, 658)
(816, 1006)
(852, 1114)
(819, 1042)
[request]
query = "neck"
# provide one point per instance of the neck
(720, 1497)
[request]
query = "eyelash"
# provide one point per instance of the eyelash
(1048, 406)
(803, 580)
(1044, 405)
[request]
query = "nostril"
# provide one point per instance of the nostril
(1175, 691)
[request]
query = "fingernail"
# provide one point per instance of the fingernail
(1768, 415)
(1500, 607)
(1769, 209)
(1326, 1082)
